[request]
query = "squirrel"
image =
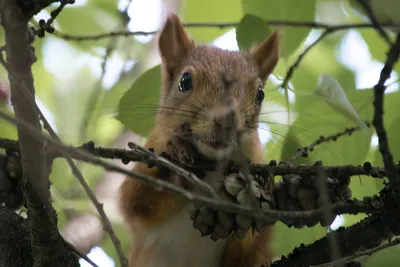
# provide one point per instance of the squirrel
(213, 110)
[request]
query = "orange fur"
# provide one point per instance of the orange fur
(140, 200)
(150, 213)
(253, 249)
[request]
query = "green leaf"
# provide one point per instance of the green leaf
(69, 117)
(286, 239)
(137, 108)
(376, 45)
(88, 19)
(388, 257)
(106, 127)
(8, 130)
(210, 11)
(256, 7)
(320, 119)
(319, 60)
(107, 5)
(361, 187)
(393, 133)
(331, 90)
(386, 11)
(394, 140)
(391, 123)
(290, 10)
(113, 95)
(250, 31)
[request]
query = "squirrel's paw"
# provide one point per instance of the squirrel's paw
(216, 224)
(254, 193)
(234, 188)
(180, 151)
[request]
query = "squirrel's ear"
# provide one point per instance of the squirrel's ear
(173, 43)
(267, 54)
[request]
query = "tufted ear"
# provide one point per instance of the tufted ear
(174, 44)
(267, 54)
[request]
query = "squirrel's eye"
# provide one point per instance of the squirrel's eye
(185, 84)
(260, 95)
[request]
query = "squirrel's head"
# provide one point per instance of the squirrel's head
(211, 96)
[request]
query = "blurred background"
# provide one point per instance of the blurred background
(79, 85)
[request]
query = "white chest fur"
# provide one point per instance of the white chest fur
(176, 243)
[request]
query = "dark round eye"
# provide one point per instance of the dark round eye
(185, 83)
(260, 95)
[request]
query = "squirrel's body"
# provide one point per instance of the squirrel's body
(160, 247)
(208, 96)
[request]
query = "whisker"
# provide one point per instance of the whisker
(146, 115)
(287, 125)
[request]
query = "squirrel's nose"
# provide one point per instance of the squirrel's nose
(224, 115)
(226, 120)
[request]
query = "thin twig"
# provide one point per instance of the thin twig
(96, 96)
(322, 139)
(81, 255)
(368, 252)
(375, 22)
(163, 162)
(223, 25)
(379, 91)
(292, 68)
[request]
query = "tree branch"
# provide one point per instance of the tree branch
(368, 233)
(292, 68)
(350, 207)
(322, 139)
(32, 7)
(135, 155)
(367, 252)
(300, 24)
(375, 22)
(379, 90)
(45, 239)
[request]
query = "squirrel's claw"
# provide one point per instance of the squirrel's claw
(180, 151)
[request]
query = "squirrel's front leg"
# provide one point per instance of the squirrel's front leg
(147, 204)
(251, 251)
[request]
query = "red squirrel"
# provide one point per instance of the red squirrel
(193, 93)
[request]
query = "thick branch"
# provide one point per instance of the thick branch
(45, 239)
(32, 7)
(379, 90)
(367, 234)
